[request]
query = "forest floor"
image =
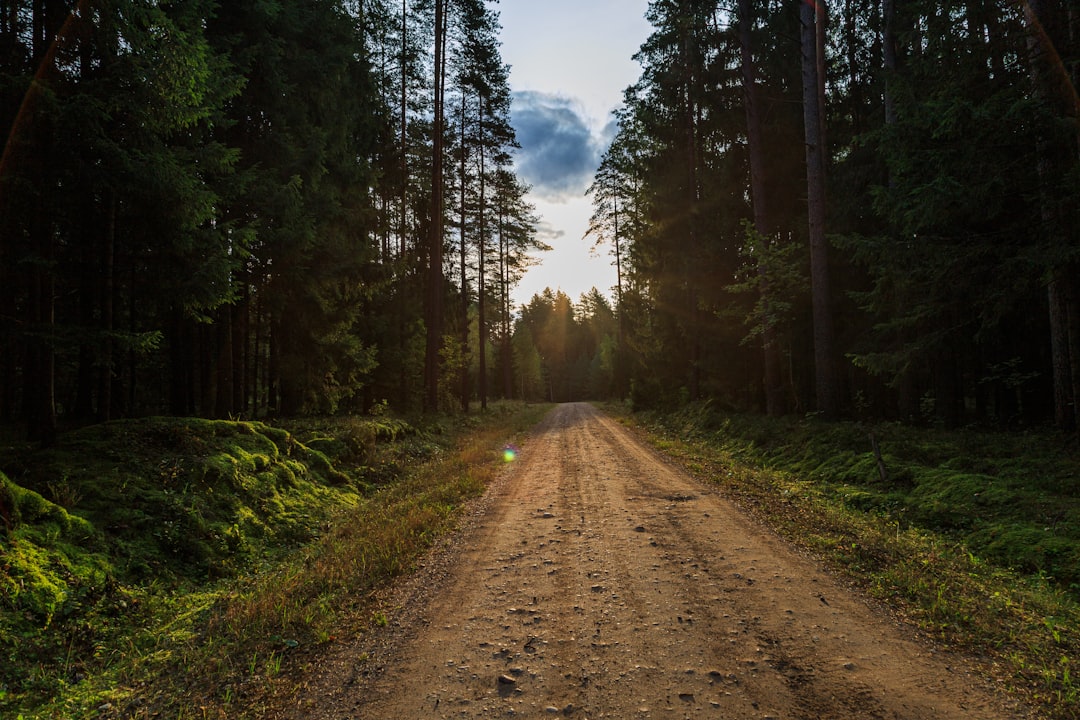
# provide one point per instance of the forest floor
(596, 580)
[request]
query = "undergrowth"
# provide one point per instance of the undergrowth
(158, 566)
(973, 536)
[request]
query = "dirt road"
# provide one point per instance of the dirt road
(596, 581)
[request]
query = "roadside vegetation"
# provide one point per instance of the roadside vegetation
(175, 567)
(972, 536)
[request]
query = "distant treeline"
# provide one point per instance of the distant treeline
(852, 208)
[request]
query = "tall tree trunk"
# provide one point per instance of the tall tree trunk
(403, 129)
(257, 365)
(401, 264)
(47, 22)
(1073, 317)
(891, 57)
(693, 294)
(462, 218)
(621, 370)
(225, 364)
(774, 384)
(481, 332)
(1047, 37)
(504, 280)
(108, 322)
(824, 369)
(181, 379)
(1059, 353)
(41, 366)
(242, 348)
(433, 312)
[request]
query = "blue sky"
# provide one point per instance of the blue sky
(570, 62)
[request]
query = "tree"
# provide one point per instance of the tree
(1048, 41)
(433, 309)
(774, 404)
(812, 17)
(307, 204)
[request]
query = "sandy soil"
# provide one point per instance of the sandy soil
(597, 581)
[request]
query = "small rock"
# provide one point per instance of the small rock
(507, 680)
(552, 710)
(849, 665)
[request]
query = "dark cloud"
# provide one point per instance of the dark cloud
(559, 152)
(548, 232)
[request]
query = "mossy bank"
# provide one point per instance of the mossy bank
(149, 561)
(972, 536)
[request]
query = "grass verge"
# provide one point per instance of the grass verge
(194, 558)
(922, 532)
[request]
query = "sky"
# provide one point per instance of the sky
(570, 61)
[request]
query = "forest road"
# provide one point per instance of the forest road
(597, 581)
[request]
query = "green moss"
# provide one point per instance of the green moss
(1011, 498)
(160, 503)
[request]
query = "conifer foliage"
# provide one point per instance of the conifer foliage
(227, 208)
(860, 209)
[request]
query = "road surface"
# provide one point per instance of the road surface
(597, 581)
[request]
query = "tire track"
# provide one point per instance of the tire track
(600, 582)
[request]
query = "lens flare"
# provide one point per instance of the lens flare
(510, 453)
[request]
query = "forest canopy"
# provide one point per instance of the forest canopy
(251, 208)
(226, 208)
(857, 209)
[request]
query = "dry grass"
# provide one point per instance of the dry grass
(1024, 627)
(324, 592)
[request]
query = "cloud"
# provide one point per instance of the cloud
(547, 232)
(559, 150)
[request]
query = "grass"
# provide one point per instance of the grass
(179, 568)
(197, 556)
(971, 536)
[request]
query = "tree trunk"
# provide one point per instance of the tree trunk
(774, 384)
(1047, 37)
(108, 322)
(242, 353)
(481, 332)
(41, 386)
(824, 371)
(224, 371)
(433, 311)
(504, 279)
(89, 288)
(403, 129)
(1059, 353)
(181, 381)
(1073, 314)
(464, 265)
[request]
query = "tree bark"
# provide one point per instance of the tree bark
(465, 390)
(1047, 37)
(481, 331)
(108, 322)
(772, 379)
(504, 279)
(824, 370)
(434, 310)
